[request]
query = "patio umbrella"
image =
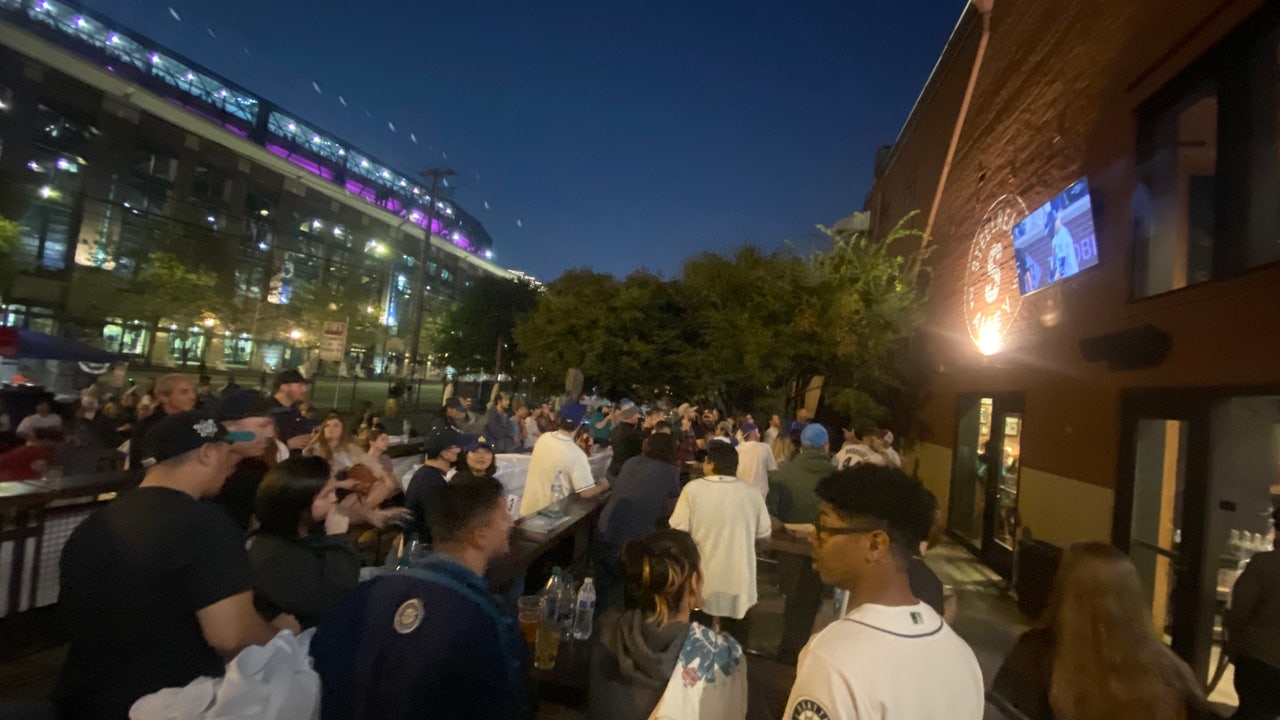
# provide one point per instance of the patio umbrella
(17, 343)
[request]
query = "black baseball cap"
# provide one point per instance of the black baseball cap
(442, 439)
(288, 377)
(241, 404)
(181, 433)
(454, 402)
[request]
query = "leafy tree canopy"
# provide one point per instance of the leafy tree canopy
(746, 328)
(469, 333)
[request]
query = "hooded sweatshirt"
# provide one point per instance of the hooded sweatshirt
(631, 664)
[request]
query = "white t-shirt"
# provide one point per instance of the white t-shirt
(887, 662)
(755, 462)
(531, 431)
(554, 451)
(31, 423)
(725, 516)
(851, 455)
(770, 435)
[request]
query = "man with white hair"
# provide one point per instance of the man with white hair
(177, 394)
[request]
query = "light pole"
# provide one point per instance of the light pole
(436, 175)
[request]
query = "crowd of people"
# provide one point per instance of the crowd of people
(246, 516)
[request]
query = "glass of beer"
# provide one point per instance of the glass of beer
(529, 612)
(547, 642)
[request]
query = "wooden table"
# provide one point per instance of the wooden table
(528, 544)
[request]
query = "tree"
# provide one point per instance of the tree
(756, 319)
(567, 328)
(9, 266)
(472, 329)
(877, 304)
(338, 301)
(748, 328)
(165, 289)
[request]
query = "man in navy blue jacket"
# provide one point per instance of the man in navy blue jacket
(430, 642)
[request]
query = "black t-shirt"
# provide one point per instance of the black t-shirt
(137, 443)
(133, 575)
(290, 423)
(627, 443)
(240, 491)
(925, 584)
(419, 498)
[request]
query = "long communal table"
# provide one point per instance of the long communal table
(532, 538)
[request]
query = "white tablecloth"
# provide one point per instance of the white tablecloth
(513, 471)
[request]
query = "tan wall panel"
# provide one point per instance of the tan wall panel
(1061, 510)
(932, 464)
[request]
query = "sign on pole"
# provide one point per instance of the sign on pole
(333, 341)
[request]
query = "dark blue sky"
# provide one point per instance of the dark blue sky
(621, 134)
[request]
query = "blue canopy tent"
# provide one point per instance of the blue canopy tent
(17, 343)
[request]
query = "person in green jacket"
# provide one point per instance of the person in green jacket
(792, 499)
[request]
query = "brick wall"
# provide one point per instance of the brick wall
(1055, 100)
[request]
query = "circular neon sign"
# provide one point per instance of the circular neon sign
(991, 295)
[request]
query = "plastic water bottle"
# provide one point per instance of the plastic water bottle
(405, 428)
(564, 605)
(551, 593)
(557, 487)
(585, 611)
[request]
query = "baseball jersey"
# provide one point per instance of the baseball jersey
(884, 663)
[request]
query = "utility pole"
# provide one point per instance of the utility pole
(436, 176)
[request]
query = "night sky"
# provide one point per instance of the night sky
(614, 135)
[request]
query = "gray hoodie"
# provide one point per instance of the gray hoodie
(631, 663)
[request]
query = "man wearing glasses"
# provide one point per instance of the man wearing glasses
(891, 655)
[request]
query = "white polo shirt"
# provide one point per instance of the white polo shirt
(725, 516)
(755, 462)
(554, 451)
(885, 663)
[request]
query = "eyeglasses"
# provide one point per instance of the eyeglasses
(819, 530)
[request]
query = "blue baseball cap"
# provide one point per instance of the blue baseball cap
(573, 412)
(813, 436)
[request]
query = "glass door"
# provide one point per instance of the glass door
(970, 471)
(1155, 535)
(1199, 483)
(983, 511)
(1244, 490)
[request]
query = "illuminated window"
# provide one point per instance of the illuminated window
(1209, 166)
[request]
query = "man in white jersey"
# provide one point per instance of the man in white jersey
(891, 656)
(856, 450)
(755, 459)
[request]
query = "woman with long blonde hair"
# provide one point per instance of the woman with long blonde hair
(352, 469)
(1094, 655)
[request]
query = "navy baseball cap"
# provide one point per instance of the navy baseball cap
(479, 442)
(442, 439)
(241, 404)
(181, 433)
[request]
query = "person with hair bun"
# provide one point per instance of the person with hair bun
(651, 660)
